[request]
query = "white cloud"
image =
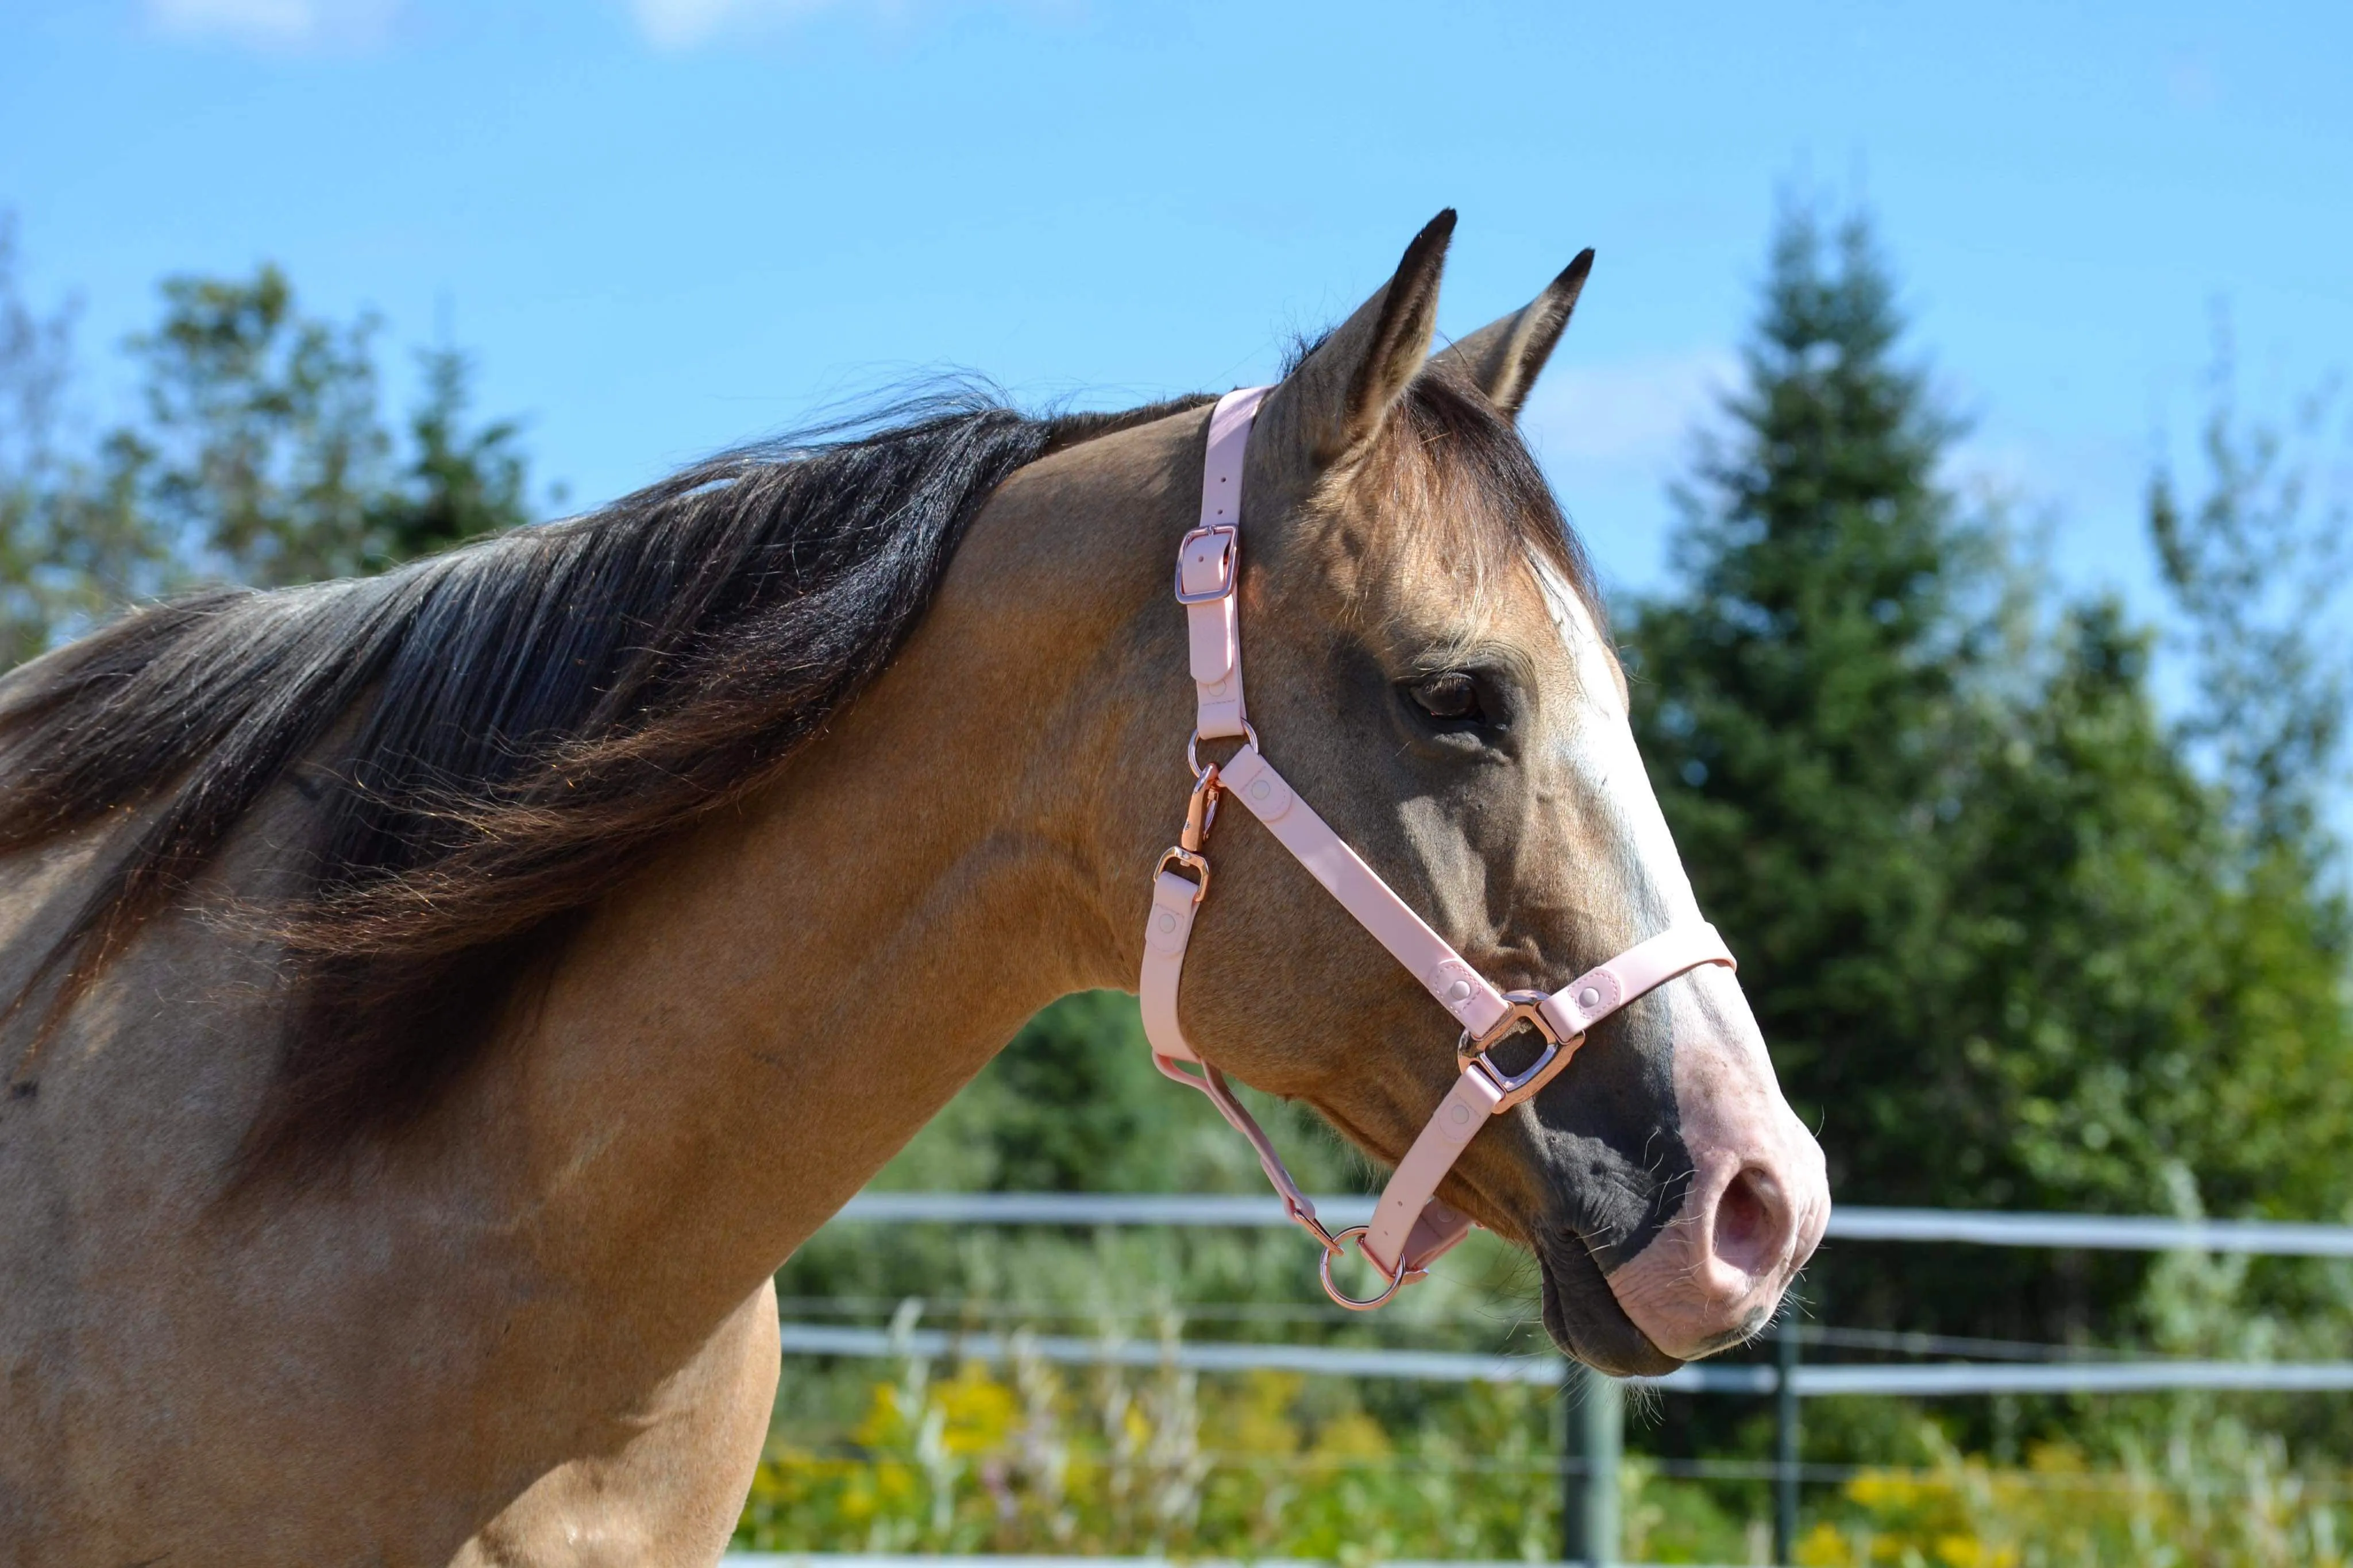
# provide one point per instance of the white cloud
(688, 24)
(278, 24)
(1638, 414)
(683, 24)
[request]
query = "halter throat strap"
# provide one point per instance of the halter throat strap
(1411, 1227)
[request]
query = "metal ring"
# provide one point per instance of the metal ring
(1192, 748)
(1340, 1240)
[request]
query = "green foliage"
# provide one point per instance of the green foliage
(1101, 1460)
(261, 428)
(2257, 567)
(2009, 947)
(2161, 1016)
(270, 458)
(74, 542)
(459, 484)
(2214, 1494)
(260, 456)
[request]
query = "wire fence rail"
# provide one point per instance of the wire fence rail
(2127, 1232)
(1807, 1379)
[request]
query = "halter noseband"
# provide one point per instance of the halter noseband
(1411, 1227)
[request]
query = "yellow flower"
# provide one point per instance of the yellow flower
(884, 1423)
(1355, 1435)
(979, 1411)
(1968, 1551)
(1824, 1547)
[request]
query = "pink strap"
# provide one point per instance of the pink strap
(1401, 1219)
(1637, 972)
(1168, 930)
(1212, 1082)
(1460, 989)
(1209, 569)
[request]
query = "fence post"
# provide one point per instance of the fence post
(1785, 1441)
(1595, 1421)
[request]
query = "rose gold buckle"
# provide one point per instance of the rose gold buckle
(1229, 563)
(1525, 1009)
(1339, 1244)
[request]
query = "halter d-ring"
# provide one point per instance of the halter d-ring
(1193, 748)
(1339, 1245)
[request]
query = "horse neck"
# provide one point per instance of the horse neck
(734, 1044)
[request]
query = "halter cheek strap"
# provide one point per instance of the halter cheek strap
(1411, 1227)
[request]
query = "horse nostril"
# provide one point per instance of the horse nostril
(1749, 1222)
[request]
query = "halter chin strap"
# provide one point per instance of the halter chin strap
(1411, 1227)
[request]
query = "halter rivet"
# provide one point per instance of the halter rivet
(1259, 790)
(1589, 997)
(1168, 921)
(1457, 994)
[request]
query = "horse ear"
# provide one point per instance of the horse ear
(1336, 401)
(1504, 358)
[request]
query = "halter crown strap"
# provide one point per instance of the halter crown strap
(1209, 568)
(1411, 1227)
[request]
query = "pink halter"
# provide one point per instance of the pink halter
(1411, 1227)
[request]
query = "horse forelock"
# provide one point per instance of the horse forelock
(494, 737)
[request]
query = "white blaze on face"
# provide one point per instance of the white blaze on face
(1598, 746)
(1758, 1199)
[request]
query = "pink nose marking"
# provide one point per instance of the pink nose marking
(1720, 1265)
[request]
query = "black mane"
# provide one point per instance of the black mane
(497, 735)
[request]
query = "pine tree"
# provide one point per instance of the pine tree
(1806, 705)
(2008, 945)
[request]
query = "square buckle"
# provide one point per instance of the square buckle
(1526, 1012)
(1229, 562)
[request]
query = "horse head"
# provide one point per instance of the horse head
(1429, 663)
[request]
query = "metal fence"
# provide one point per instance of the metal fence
(1807, 1378)
(1804, 1379)
(2128, 1233)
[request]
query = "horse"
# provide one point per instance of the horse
(443, 1000)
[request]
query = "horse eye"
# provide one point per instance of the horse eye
(1451, 696)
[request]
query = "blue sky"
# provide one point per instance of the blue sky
(664, 225)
